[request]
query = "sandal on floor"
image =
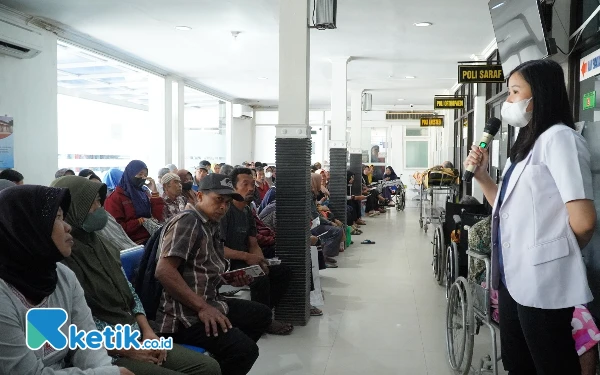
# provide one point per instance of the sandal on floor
(356, 232)
(280, 328)
(368, 242)
(315, 312)
(331, 265)
(330, 260)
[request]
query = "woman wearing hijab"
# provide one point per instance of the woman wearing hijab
(109, 295)
(132, 206)
(33, 238)
(112, 179)
(187, 182)
(389, 175)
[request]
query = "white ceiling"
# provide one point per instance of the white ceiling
(378, 34)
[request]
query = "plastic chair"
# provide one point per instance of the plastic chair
(130, 261)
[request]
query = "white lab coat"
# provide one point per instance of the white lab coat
(543, 265)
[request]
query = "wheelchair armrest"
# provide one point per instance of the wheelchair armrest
(477, 254)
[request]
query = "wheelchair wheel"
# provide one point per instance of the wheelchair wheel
(451, 266)
(400, 200)
(460, 324)
(438, 255)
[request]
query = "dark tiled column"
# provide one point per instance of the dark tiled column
(338, 159)
(293, 236)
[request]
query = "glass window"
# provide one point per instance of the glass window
(376, 146)
(103, 113)
(204, 128)
(100, 136)
(417, 132)
(416, 154)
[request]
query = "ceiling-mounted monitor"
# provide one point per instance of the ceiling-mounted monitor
(521, 31)
(325, 14)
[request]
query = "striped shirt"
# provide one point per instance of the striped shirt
(195, 239)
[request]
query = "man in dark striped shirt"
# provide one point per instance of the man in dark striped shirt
(191, 262)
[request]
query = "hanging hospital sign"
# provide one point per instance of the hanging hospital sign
(432, 121)
(448, 102)
(589, 66)
(480, 74)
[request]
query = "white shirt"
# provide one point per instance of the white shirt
(542, 260)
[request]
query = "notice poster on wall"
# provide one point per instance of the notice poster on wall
(7, 155)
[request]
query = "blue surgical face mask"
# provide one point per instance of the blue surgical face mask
(95, 221)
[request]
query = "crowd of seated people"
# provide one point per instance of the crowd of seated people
(199, 227)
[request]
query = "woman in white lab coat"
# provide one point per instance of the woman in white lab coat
(543, 216)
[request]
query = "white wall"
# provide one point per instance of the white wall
(28, 93)
(242, 140)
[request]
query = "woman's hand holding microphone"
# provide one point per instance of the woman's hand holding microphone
(478, 157)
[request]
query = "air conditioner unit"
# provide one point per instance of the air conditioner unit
(19, 41)
(242, 111)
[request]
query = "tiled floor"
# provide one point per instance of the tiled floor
(384, 313)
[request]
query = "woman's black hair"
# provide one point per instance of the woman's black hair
(391, 169)
(550, 103)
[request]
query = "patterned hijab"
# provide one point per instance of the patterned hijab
(139, 198)
(28, 254)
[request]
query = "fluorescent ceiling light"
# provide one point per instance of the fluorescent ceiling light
(183, 28)
(410, 77)
(423, 24)
(263, 78)
(401, 100)
(497, 6)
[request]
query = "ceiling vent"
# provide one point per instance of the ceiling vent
(325, 14)
(19, 41)
(408, 115)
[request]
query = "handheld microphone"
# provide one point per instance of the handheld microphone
(489, 132)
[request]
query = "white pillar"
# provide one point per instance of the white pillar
(294, 67)
(356, 121)
(178, 125)
(160, 130)
(339, 100)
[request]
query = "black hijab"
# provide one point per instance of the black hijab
(28, 255)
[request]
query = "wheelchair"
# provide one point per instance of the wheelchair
(449, 257)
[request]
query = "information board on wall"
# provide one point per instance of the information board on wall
(7, 154)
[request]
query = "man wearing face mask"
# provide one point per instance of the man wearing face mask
(187, 182)
(109, 295)
(543, 216)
